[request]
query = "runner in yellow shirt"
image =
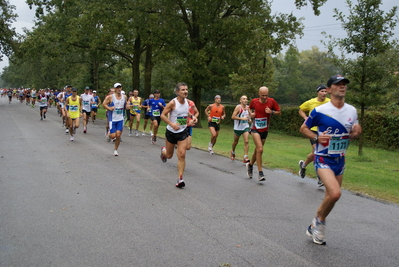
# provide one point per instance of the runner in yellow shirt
(74, 108)
(305, 109)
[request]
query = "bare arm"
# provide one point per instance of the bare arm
(302, 114)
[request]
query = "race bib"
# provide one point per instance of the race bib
(73, 108)
(215, 119)
(119, 111)
(182, 120)
(338, 146)
(260, 123)
(135, 107)
(85, 103)
(156, 112)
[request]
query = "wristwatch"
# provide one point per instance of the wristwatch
(316, 138)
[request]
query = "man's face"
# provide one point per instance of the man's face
(322, 94)
(338, 89)
(243, 100)
(218, 100)
(118, 89)
(135, 93)
(183, 91)
(263, 94)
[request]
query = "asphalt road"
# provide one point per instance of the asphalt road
(68, 203)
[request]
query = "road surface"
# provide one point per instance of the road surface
(68, 203)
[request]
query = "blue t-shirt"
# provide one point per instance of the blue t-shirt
(336, 122)
(148, 110)
(156, 109)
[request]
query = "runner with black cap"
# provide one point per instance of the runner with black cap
(305, 109)
(337, 123)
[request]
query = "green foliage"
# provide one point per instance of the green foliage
(7, 16)
(369, 31)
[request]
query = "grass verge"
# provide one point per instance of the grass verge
(375, 174)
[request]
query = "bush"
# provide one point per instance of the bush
(380, 129)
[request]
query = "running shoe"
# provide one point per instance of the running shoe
(41, 118)
(232, 155)
(130, 132)
(44, 115)
(84, 131)
(71, 138)
(74, 130)
(143, 134)
(113, 140)
(211, 152)
(180, 183)
(316, 231)
(261, 176)
(249, 170)
(319, 182)
(151, 133)
(67, 131)
(153, 140)
(302, 170)
(246, 159)
(210, 147)
(136, 132)
(163, 158)
(115, 152)
(108, 138)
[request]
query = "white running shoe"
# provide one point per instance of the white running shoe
(151, 133)
(71, 138)
(143, 134)
(115, 152)
(136, 132)
(67, 131)
(210, 147)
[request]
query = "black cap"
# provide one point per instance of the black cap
(87, 88)
(74, 89)
(157, 92)
(320, 87)
(336, 79)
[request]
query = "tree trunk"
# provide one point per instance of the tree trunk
(136, 64)
(196, 97)
(95, 78)
(148, 71)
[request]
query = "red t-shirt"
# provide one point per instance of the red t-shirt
(261, 121)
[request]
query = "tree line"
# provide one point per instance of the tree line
(216, 46)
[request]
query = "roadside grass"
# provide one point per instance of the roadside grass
(376, 174)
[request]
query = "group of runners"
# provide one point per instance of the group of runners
(329, 124)
(29, 96)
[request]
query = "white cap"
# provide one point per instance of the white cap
(117, 84)
(94, 91)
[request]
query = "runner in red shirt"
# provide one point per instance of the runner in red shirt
(261, 109)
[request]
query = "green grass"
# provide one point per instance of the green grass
(376, 174)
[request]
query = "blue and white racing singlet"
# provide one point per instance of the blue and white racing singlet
(336, 122)
(117, 113)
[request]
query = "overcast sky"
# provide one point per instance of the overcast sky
(314, 25)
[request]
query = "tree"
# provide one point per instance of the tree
(7, 33)
(369, 30)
